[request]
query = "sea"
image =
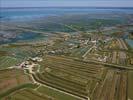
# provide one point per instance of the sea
(21, 14)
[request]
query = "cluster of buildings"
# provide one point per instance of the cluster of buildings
(29, 64)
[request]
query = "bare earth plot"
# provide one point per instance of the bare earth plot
(12, 78)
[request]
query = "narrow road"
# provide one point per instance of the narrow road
(111, 65)
(57, 89)
(40, 84)
(88, 51)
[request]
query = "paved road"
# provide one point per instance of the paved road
(88, 51)
(111, 65)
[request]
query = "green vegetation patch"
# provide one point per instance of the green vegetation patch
(130, 85)
(28, 85)
(56, 94)
(7, 61)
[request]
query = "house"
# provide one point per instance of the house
(37, 59)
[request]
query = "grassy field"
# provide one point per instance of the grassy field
(7, 94)
(69, 75)
(130, 85)
(8, 61)
(28, 94)
(83, 79)
(55, 94)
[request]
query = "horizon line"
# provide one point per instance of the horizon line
(65, 7)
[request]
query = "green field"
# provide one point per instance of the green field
(55, 94)
(8, 61)
(130, 85)
(28, 94)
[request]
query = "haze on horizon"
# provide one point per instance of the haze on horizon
(66, 3)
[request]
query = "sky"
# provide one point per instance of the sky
(66, 3)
